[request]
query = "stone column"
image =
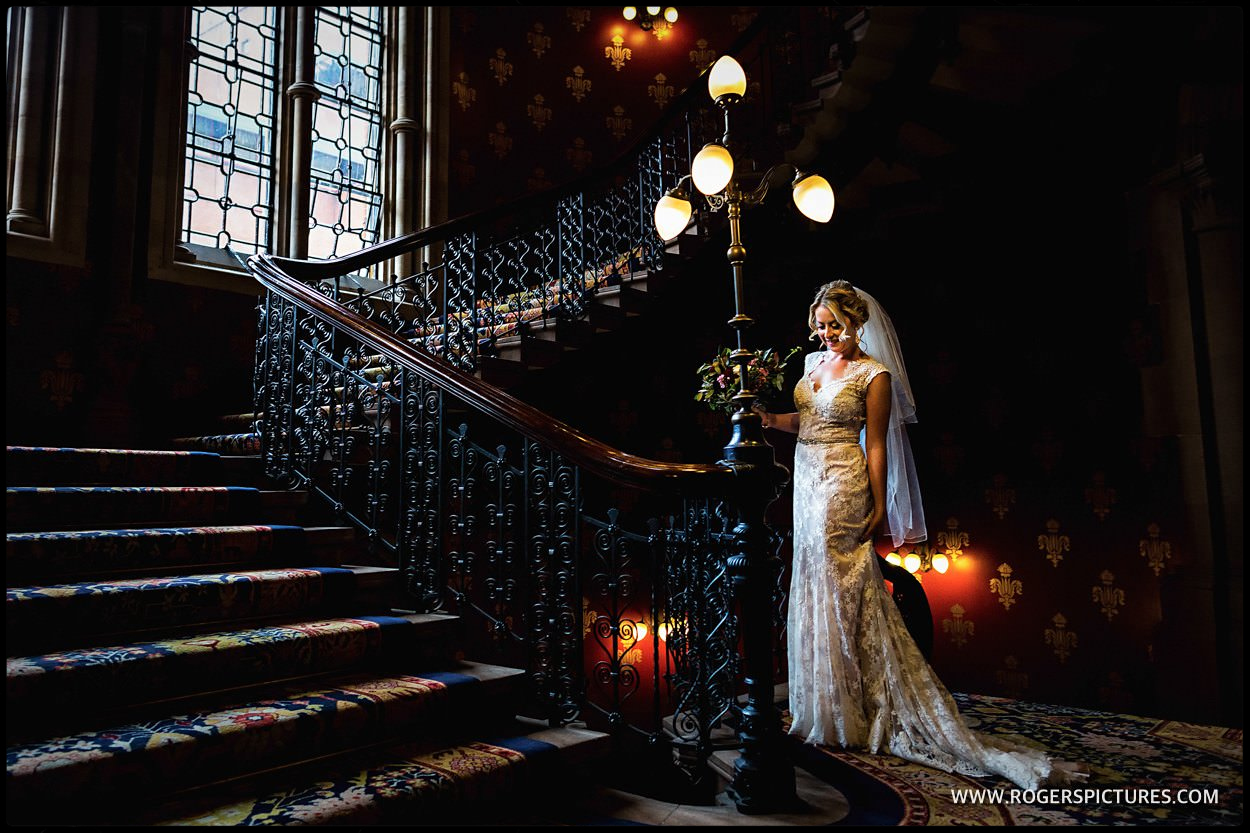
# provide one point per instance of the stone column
(303, 94)
(32, 134)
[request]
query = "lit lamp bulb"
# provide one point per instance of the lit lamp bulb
(670, 14)
(630, 12)
(941, 563)
(726, 78)
(712, 169)
(663, 632)
(814, 197)
(652, 10)
(641, 631)
(894, 558)
(672, 215)
(911, 563)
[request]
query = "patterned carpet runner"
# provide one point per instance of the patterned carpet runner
(65, 684)
(48, 614)
(47, 555)
(31, 508)
(29, 465)
(188, 748)
(401, 787)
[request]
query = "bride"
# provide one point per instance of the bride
(857, 679)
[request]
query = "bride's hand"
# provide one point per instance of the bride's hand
(766, 419)
(874, 524)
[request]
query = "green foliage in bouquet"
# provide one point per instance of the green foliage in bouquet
(718, 379)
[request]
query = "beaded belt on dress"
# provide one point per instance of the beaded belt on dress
(828, 440)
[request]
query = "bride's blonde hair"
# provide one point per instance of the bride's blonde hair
(843, 303)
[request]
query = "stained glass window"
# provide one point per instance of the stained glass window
(347, 131)
(228, 182)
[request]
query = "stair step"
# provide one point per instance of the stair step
(92, 554)
(126, 763)
(460, 783)
(58, 616)
(531, 351)
(40, 466)
(237, 444)
(40, 508)
(503, 373)
(632, 297)
(70, 687)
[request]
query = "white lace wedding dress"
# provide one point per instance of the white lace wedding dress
(857, 679)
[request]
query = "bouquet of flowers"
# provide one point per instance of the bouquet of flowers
(718, 379)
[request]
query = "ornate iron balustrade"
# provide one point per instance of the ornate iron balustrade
(366, 396)
(481, 500)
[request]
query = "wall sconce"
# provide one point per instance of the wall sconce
(921, 559)
(651, 19)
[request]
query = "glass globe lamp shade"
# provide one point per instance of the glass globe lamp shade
(894, 558)
(652, 10)
(941, 563)
(814, 197)
(672, 215)
(630, 12)
(726, 78)
(712, 169)
(911, 563)
(670, 14)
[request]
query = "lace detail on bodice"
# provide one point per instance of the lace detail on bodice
(836, 412)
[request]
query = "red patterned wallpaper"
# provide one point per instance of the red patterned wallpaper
(541, 94)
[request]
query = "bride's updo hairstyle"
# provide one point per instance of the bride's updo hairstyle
(843, 303)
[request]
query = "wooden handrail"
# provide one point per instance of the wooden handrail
(594, 456)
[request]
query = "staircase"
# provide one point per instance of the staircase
(186, 646)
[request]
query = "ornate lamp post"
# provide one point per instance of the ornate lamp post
(763, 774)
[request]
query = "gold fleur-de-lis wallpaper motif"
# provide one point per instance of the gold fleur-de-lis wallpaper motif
(62, 381)
(742, 18)
(1048, 450)
(463, 169)
(577, 83)
(1108, 596)
(661, 91)
(1099, 495)
(1012, 682)
(1060, 638)
(1006, 587)
(578, 18)
(499, 140)
(539, 41)
(949, 455)
(501, 66)
(702, 56)
(538, 180)
(959, 629)
(538, 112)
(1154, 549)
(465, 94)
(1000, 496)
(618, 53)
(578, 156)
(619, 123)
(951, 541)
(1052, 543)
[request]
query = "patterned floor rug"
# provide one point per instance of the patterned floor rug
(1142, 771)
